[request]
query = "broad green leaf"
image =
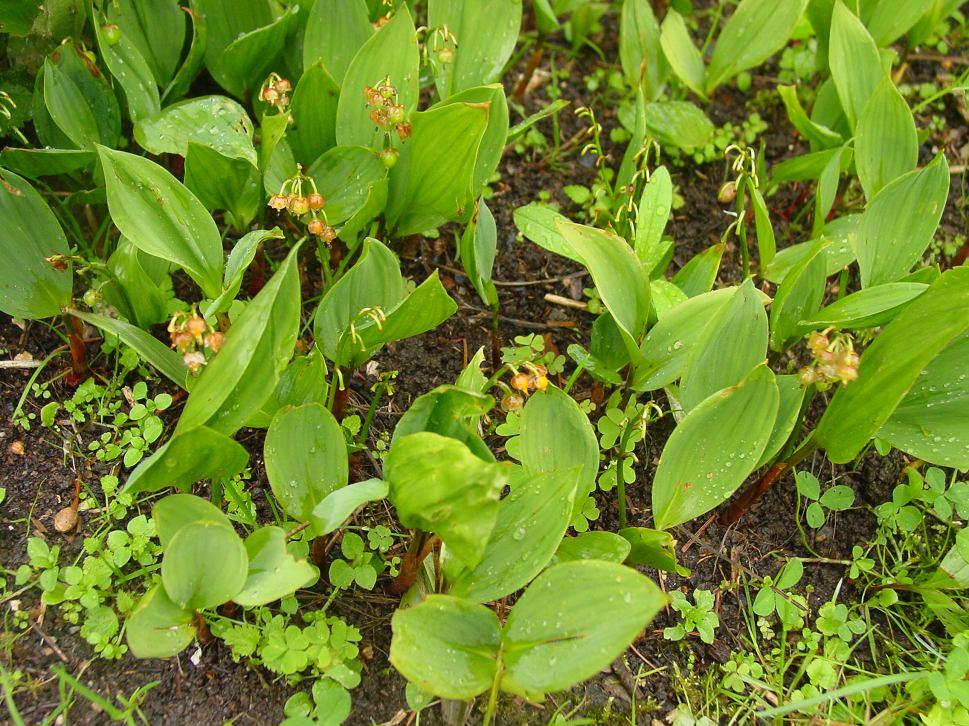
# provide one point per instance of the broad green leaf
(855, 63)
(446, 646)
(556, 635)
(177, 510)
(827, 190)
(18, 18)
(866, 308)
(539, 224)
(788, 410)
(643, 62)
(682, 55)
(345, 176)
(217, 122)
(306, 458)
(839, 254)
(481, 54)
(478, 248)
(162, 217)
(652, 215)
(157, 627)
(650, 547)
(891, 366)
(391, 52)
(204, 565)
(438, 485)
(556, 436)
(182, 81)
(35, 163)
(606, 546)
(141, 288)
(756, 30)
(149, 348)
(239, 380)
(806, 167)
(886, 144)
(330, 514)
(899, 223)
(820, 136)
(236, 265)
(79, 100)
(797, 298)
(303, 381)
(678, 123)
(156, 30)
(665, 296)
(273, 572)
(335, 31)
(732, 343)
(891, 19)
(930, 422)
(131, 70)
(449, 411)
(30, 287)
(313, 111)
(432, 180)
(698, 275)
(532, 520)
(714, 448)
(189, 456)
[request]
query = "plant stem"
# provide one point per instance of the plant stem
(374, 402)
(754, 493)
(489, 715)
(75, 339)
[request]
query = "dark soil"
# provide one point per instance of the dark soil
(41, 479)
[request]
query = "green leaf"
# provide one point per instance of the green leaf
(682, 55)
(605, 546)
(157, 627)
(650, 547)
(478, 248)
(189, 456)
(155, 29)
(162, 217)
(756, 30)
(891, 19)
(150, 349)
(480, 55)
(556, 436)
(239, 380)
(556, 635)
(313, 111)
(130, 69)
(838, 498)
(732, 343)
(432, 180)
(219, 182)
(273, 571)
(890, 367)
(241, 256)
(698, 275)
(678, 123)
(713, 450)
(182, 81)
(141, 288)
(930, 422)
(346, 177)
(446, 646)
(798, 297)
(303, 381)
(531, 522)
(438, 485)
(855, 63)
(791, 399)
(336, 508)
(449, 411)
(79, 100)
(539, 224)
(899, 223)
(30, 287)
(177, 510)
(652, 216)
(35, 163)
(766, 243)
(391, 52)
(204, 565)
(335, 31)
(213, 121)
(820, 136)
(306, 458)
(886, 144)
(866, 308)
(643, 62)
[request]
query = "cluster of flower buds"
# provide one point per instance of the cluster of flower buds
(275, 91)
(533, 378)
(388, 115)
(835, 360)
(291, 198)
(194, 338)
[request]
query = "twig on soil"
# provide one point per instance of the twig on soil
(545, 281)
(21, 363)
(566, 302)
(50, 643)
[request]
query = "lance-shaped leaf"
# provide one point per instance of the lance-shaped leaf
(886, 144)
(141, 286)
(798, 297)
(162, 217)
(698, 275)
(346, 177)
(595, 545)
(866, 308)
(855, 63)
(30, 286)
(532, 520)
(682, 55)
(236, 383)
(306, 458)
(155, 29)
(478, 248)
(642, 57)
(788, 410)
(756, 30)
(556, 635)
(330, 514)
(890, 367)
(539, 224)
(678, 123)
(194, 62)
(204, 565)
(157, 627)
(714, 448)
(313, 111)
(899, 223)
(35, 163)
(653, 213)
(930, 422)
(391, 52)
(131, 70)
(303, 381)
(432, 182)
(479, 56)
(273, 572)
(78, 99)
(219, 182)
(447, 646)
(335, 31)
(236, 265)
(495, 136)
(439, 486)
(189, 456)
(650, 547)
(213, 121)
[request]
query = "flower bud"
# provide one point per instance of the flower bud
(403, 131)
(521, 382)
(806, 377)
(182, 342)
(92, 298)
(315, 227)
(316, 201)
(727, 193)
(511, 402)
(299, 206)
(194, 361)
(389, 157)
(112, 33)
(279, 202)
(818, 342)
(196, 326)
(445, 55)
(541, 383)
(214, 341)
(283, 85)
(396, 114)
